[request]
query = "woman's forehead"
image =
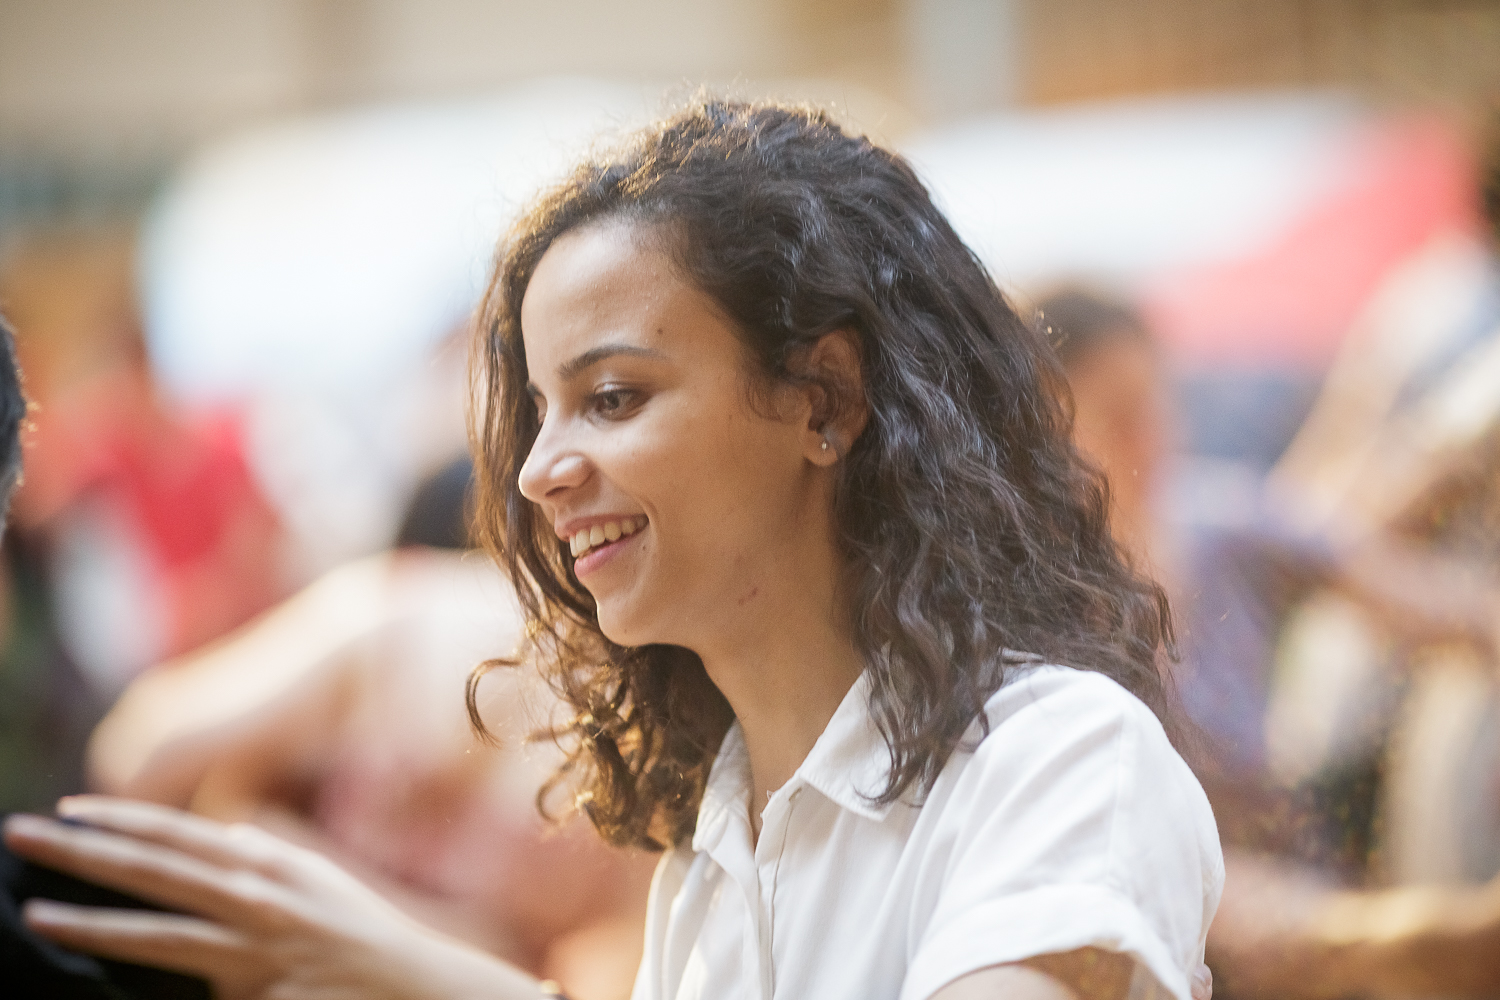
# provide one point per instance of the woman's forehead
(601, 284)
(590, 259)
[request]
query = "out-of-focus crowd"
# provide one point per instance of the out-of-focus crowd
(192, 614)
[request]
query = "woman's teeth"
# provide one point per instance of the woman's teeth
(610, 531)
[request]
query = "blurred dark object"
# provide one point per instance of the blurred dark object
(1244, 416)
(1077, 321)
(47, 707)
(438, 514)
(12, 413)
(32, 967)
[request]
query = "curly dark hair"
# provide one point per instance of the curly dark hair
(969, 527)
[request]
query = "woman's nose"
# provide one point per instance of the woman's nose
(551, 467)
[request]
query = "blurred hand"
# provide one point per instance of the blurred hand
(261, 918)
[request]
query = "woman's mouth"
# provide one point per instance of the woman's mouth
(602, 535)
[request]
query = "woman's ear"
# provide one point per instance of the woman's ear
(836, 393)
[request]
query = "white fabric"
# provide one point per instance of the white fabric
(1072, 823)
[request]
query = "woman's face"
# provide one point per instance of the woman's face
(684, 506)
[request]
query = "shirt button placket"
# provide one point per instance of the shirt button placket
(768, 874)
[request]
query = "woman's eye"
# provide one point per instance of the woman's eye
(609, 403)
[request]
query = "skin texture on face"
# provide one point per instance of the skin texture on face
(641, 383)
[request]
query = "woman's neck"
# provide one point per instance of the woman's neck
(784, 679)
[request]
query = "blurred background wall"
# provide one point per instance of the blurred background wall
(1430, 50)
(96, 99)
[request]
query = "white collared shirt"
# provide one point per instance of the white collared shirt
(1073, 823)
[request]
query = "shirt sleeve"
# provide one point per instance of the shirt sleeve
(1074, 824)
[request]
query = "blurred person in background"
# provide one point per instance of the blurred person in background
(159, 537)
(29, 964)
(1217, 573)
(337, 721)
(140, 533)
(1397, 471)
(1271, 608)
(1122, 417)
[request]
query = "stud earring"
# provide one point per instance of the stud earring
(824, 445)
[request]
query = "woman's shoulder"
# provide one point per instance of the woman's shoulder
(1063, 698)
(1058, 733)
(1073, 752)
(1072, 822)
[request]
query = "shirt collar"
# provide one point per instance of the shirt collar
(848, 764)
(851, 761)
(726, 795)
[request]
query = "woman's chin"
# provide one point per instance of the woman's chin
(627, 627)
(617, 625)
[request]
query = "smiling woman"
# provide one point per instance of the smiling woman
(785, 489)
(864, 531)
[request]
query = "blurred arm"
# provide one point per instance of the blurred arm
(1280, 932)
(1419, 593)
(172, 722)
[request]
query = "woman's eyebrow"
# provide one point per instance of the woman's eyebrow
(568, 369)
